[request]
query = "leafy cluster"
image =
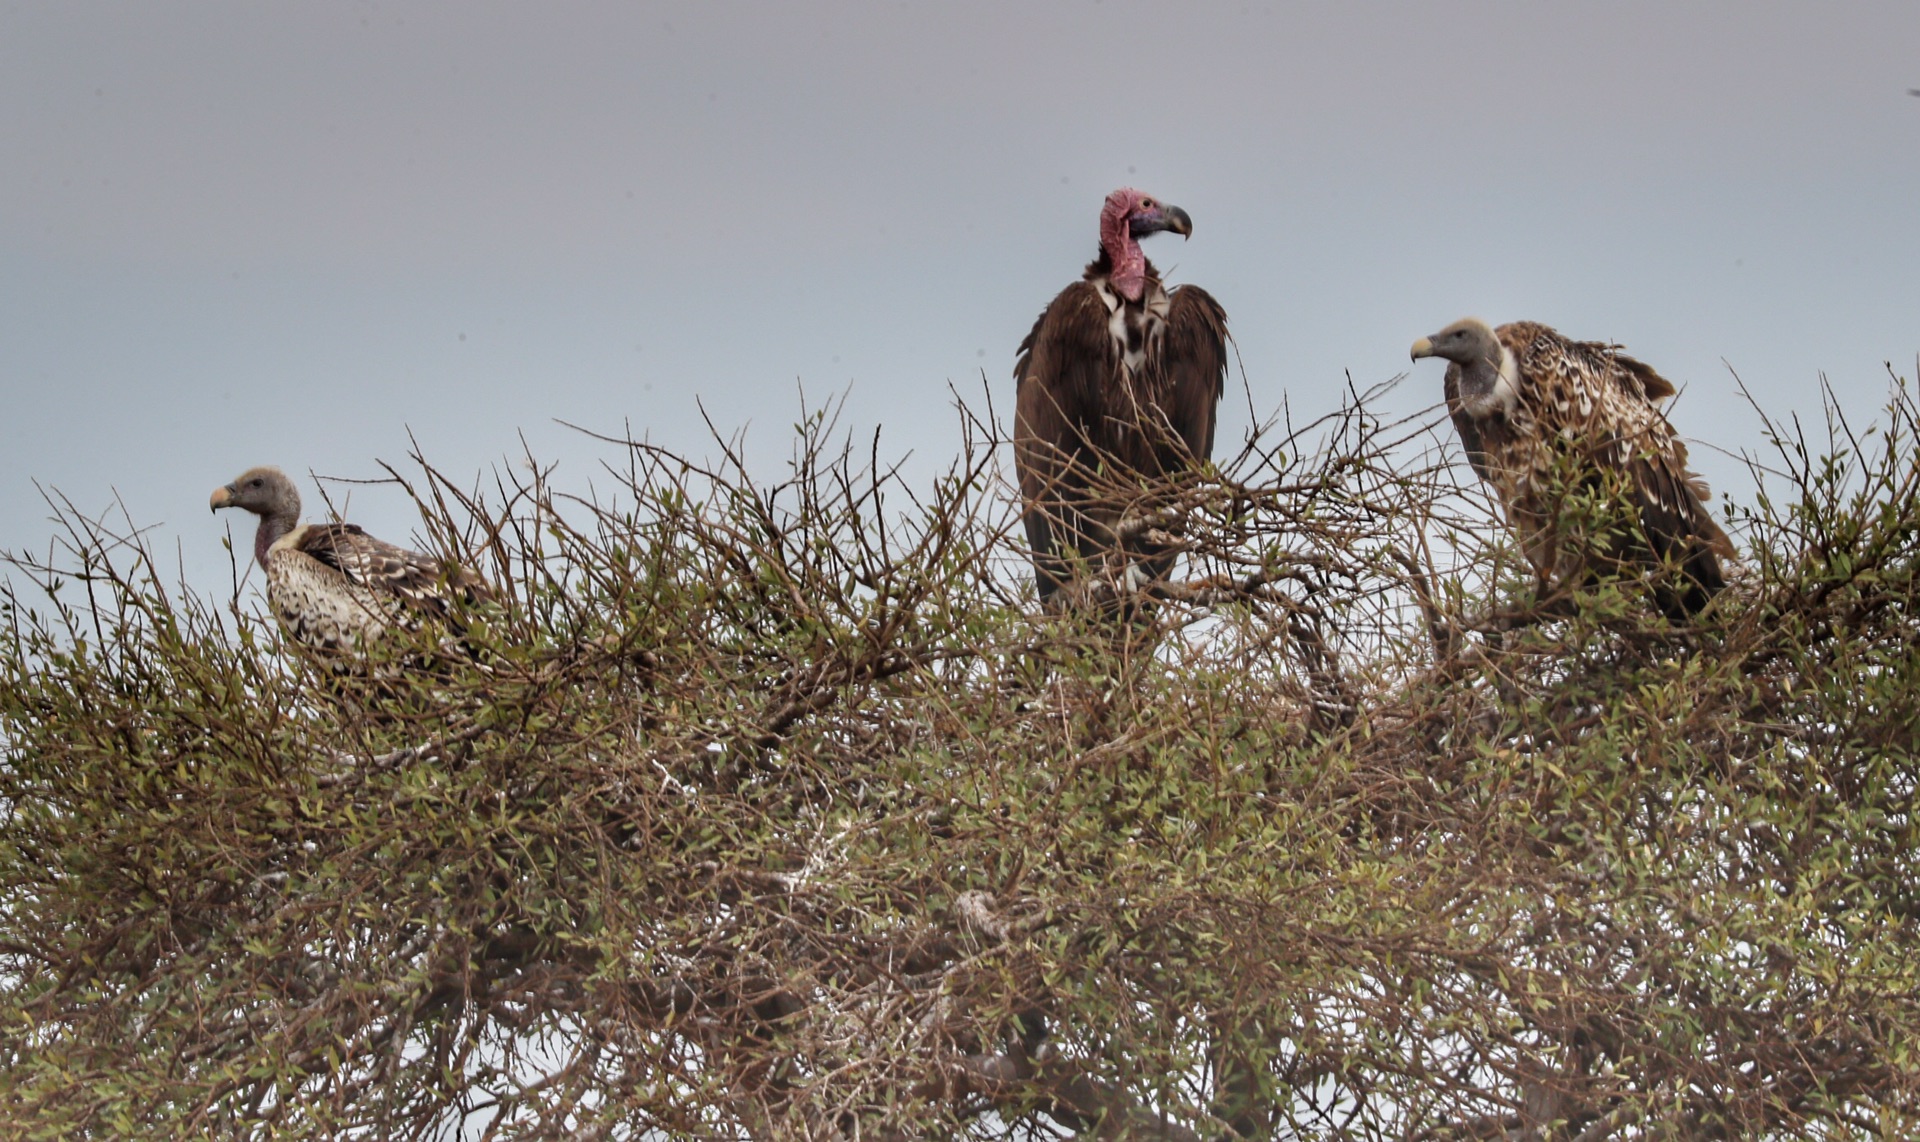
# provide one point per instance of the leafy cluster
(779, 811)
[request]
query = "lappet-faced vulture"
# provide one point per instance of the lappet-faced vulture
(333, 586)
(1117, 386)
(1541, 415)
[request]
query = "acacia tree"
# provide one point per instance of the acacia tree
(778, 811)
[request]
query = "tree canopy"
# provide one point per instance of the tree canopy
(779, 810)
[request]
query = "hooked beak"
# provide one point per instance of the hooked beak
(1163, 217)
(1423, 348)
(222, 498)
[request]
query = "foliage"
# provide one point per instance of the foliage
(778, 811)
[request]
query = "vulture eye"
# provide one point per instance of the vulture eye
(254, 483)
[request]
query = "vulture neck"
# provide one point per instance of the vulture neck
(272, 527)
(1129, 279)
(1489, 384)
(1126, 265)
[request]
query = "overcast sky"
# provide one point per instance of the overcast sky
(242, 233)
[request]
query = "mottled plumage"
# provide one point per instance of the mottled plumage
(333, 586)
(1117, 385)
(1533, 408)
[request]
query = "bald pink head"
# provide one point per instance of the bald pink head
(1126, 217)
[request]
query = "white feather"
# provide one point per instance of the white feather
(1506, 383)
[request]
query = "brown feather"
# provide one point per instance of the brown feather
(1086, 427)
(335, 587)
(422, 582)
(1588, 405)
(332, 585)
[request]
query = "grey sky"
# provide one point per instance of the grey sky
(236, 233)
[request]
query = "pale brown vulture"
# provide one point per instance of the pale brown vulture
(333, 586)
(1116, 386)
(1534, 409)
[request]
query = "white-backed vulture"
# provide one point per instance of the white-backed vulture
(333, 586)
(1541, 415)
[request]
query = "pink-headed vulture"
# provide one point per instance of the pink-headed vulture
(1117, 386)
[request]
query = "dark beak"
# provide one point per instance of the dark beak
(1163, 217)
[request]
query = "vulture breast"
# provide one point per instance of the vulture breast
(319, 605)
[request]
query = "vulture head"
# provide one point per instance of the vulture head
(1465, 341)
(1489, 377)
(267, 493)
(1127, 216)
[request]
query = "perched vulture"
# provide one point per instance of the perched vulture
(1534, 409)
(331, 585)
(1116, 385)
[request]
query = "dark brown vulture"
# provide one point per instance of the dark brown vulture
(333, 586)
(1117, 386)
(1534, 408)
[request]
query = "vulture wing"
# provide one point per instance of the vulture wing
(1637, 377)
(1193, 357)
(1064, 366)
(420, 581)
(1592, 392)
(1188, 371)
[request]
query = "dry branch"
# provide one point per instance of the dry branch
(775, 808)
